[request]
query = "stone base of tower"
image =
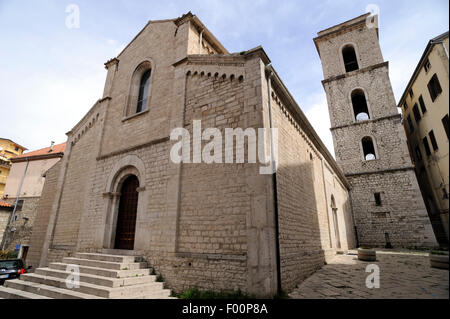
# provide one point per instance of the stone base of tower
(400, 219)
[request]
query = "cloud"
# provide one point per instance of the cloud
(317, 115)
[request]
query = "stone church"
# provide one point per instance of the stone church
(225, 226)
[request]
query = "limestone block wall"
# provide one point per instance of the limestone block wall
(303, 206)
(4, 218)
(402, 213)
(42, 216)
(74, 184)
(23, 222)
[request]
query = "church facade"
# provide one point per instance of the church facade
(219, 226)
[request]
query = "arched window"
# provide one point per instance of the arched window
(143, 92)
(350, 61)
(368, 148)
(140, 91)
(359, 103)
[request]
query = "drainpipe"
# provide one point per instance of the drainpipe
(201, 42)
(15, 205)
(274, 182)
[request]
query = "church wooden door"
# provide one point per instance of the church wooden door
(126, 219)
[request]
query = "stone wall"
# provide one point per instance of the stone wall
(402, 213)
(42, 216)
(304, 194)
(23, 223)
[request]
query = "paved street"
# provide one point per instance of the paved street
(403, 274)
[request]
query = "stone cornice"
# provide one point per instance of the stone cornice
(111, 62)
(133, 148)
(382, 171)
(368, 121)
(353, 73)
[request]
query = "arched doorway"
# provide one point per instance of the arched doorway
(335, 221)
(126, 218)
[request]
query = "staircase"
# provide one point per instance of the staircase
(101, 276)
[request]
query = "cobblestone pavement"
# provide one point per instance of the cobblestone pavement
(403, 274)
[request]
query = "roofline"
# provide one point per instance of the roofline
(36, 157)
(439, 39)
(358, 21)
(7, 139)
(209, 35)
(179, 21)
(310, 132)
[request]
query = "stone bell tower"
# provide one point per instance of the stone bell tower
(369, 140)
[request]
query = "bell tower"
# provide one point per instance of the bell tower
(369, 140)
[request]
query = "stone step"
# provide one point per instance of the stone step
(112, 273)
(104, 264)
(11, 293)
(48, 291)
(97, 280)
(92, 289)
(121, 252)
(111, 258)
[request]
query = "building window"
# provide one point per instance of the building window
(368, 148)
(418, 153)
(19, 205)
(427, 65)
(138, 99)
(411, 93)
(434, 87)
(427, 147)
(377, 199)
(143, 92)
(445, 123)
(411, 125)
(405, 106)
(350, 61)
(433, 140)
(416, 113)
(422, 105)
(359, 103)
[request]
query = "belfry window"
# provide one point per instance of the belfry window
(143, 92)
(368, 148)
(350, 61)
(360, 105)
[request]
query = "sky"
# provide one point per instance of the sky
(51, 75)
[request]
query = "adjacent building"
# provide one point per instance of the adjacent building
(27, 174)
(425, 109)
(8, 149)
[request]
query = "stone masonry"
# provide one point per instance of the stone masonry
(210, 226)
(399, 217)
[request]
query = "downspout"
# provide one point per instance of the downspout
(274, 182)
(15, 205)
(201, 42)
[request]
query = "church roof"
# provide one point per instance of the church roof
(46, 152)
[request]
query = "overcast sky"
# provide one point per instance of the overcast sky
(50, 75)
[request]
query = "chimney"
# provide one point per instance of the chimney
(51, 146)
